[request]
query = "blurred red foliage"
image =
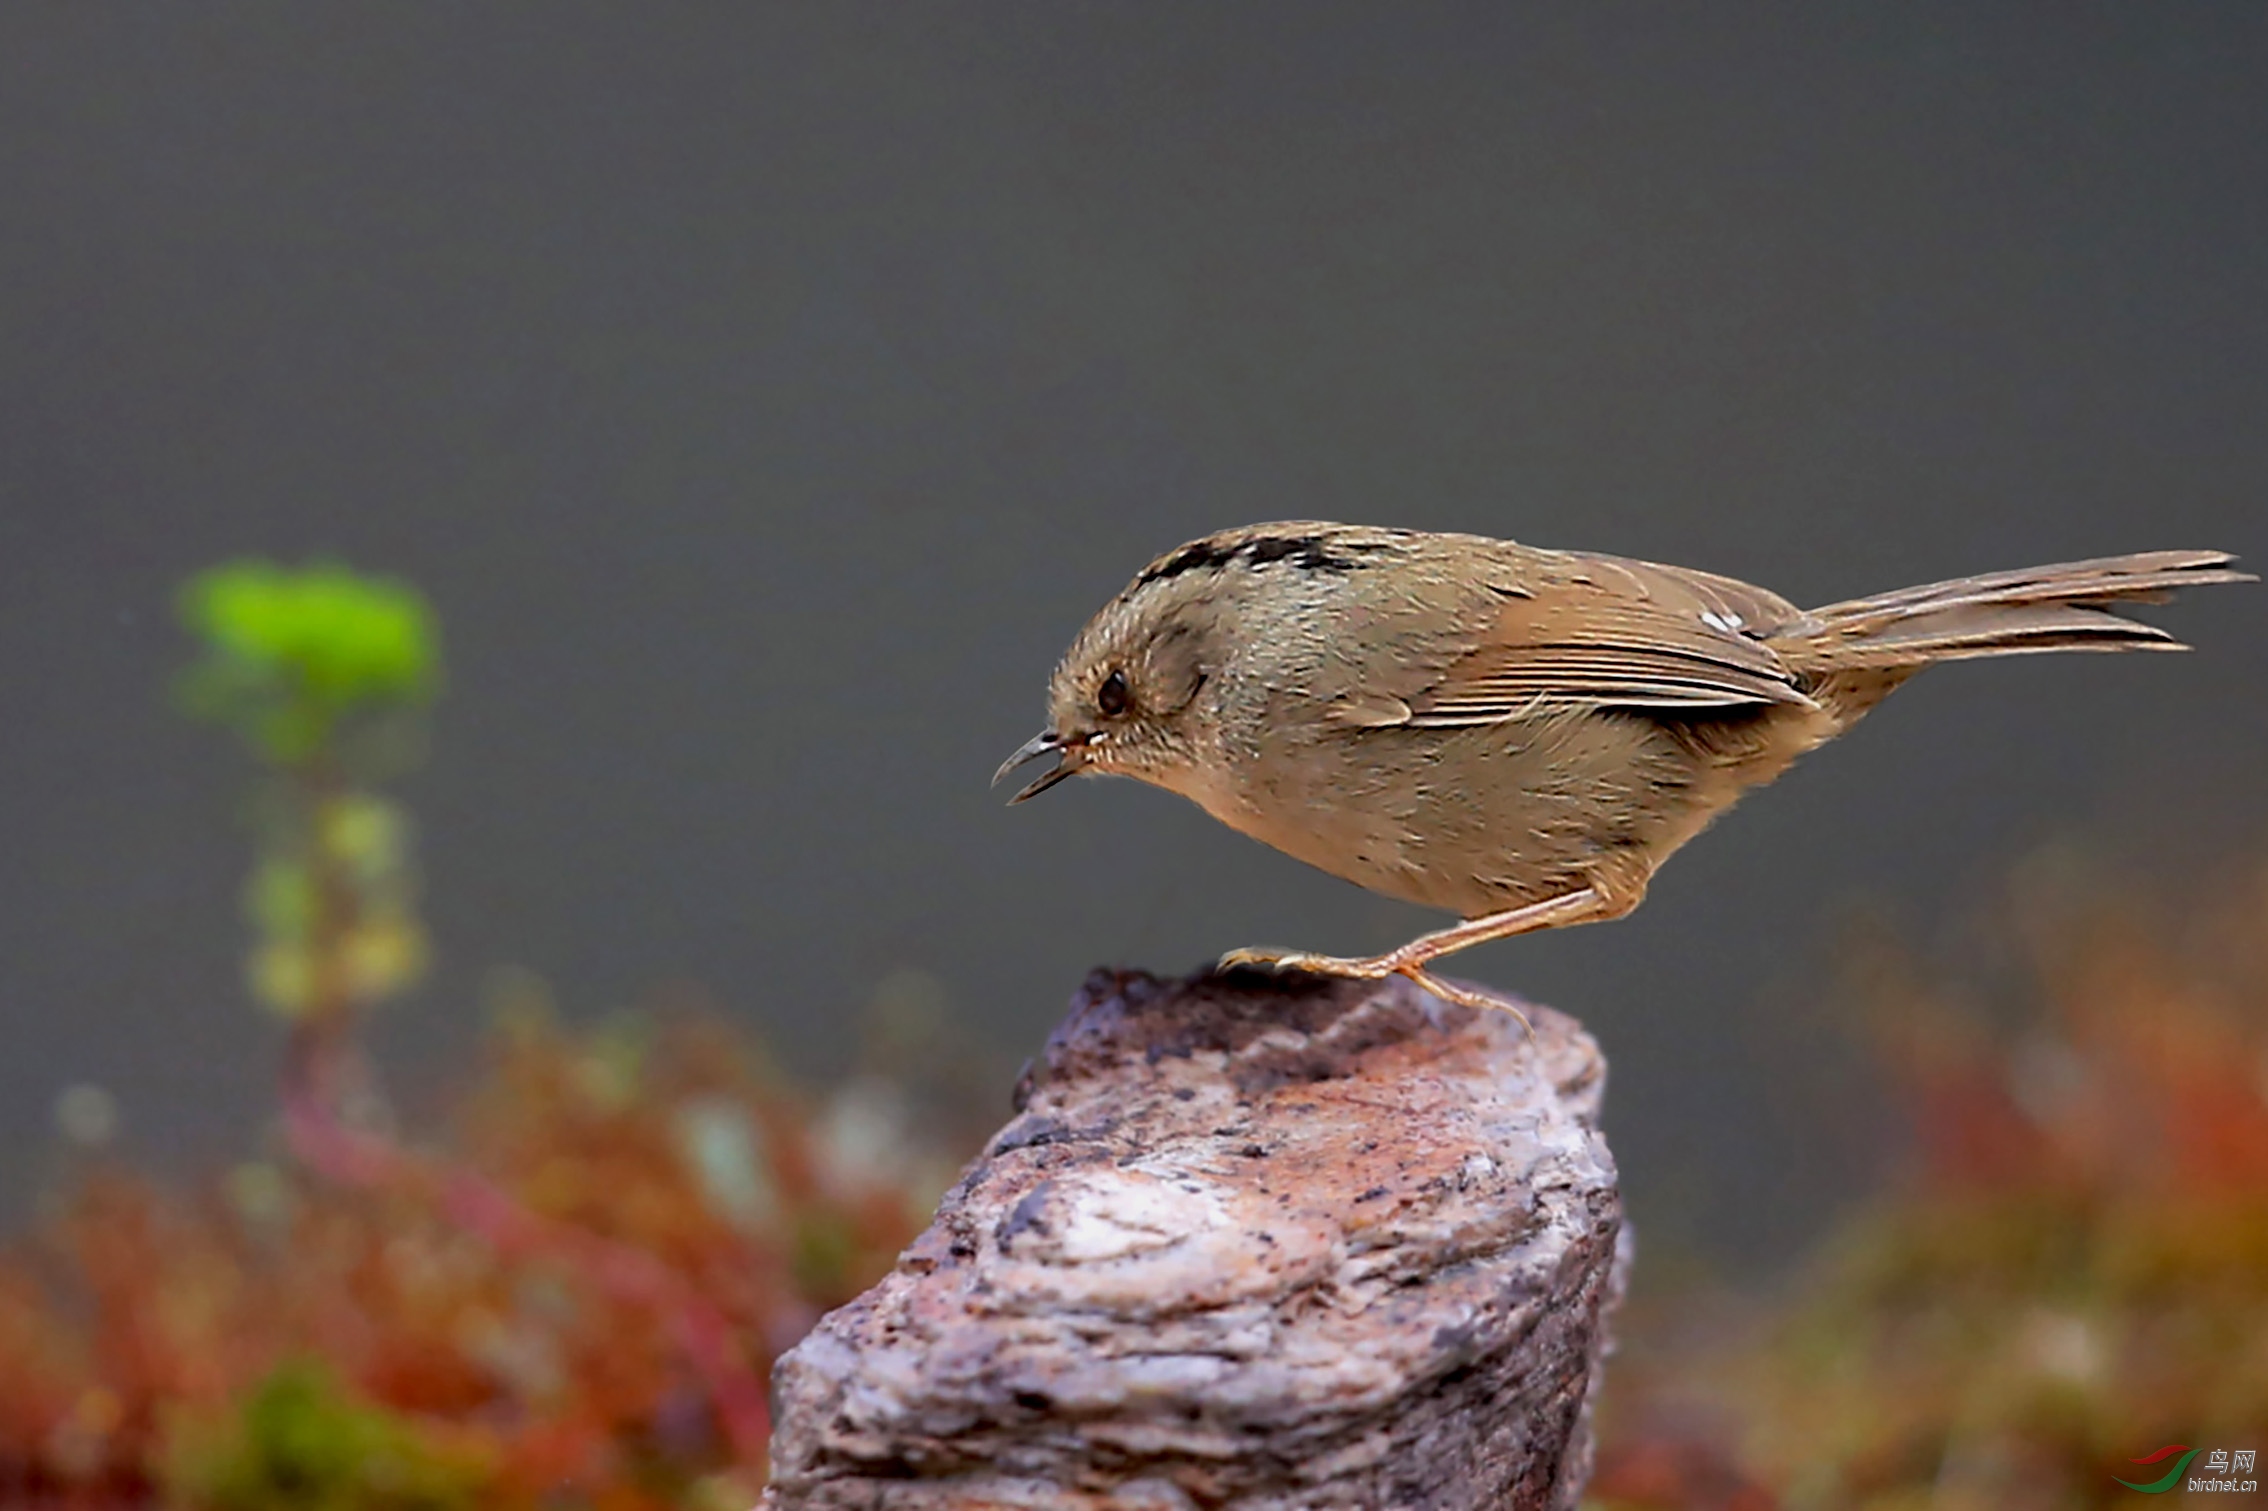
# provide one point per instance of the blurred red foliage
(2072, 1270)
(135, 1324)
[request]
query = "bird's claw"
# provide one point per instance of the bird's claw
(1302, 960)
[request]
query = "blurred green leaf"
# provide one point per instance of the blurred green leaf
(368, 836)
(823, 1253)
(282, 978)
(299, 1442)
(280, 899)
(289, 652)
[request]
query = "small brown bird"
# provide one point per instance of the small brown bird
(1518, 735)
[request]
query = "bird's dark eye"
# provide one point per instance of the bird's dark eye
(1111, 696)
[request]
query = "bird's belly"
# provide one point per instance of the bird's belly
(1475, 820)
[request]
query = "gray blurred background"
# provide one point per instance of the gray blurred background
(766, 393)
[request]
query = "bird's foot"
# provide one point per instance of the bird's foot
(1466, 996)
(1372, 968)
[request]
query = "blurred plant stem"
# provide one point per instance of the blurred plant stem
(322, 673)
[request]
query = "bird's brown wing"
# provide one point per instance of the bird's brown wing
(1599, 631)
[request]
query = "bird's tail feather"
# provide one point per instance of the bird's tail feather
(2067, 607)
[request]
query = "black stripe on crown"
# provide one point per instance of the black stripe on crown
(1308, 553)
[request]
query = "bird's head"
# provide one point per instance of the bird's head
(1124, 701)
(1153, 684)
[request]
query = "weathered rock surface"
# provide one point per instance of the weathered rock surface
(1249, 1243)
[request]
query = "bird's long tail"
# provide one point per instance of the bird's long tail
(2070, 607)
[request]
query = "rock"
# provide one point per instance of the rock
(1250, 1242)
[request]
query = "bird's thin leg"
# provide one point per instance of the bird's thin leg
(1580, 906)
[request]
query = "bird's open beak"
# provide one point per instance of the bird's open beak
(1047, 742)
